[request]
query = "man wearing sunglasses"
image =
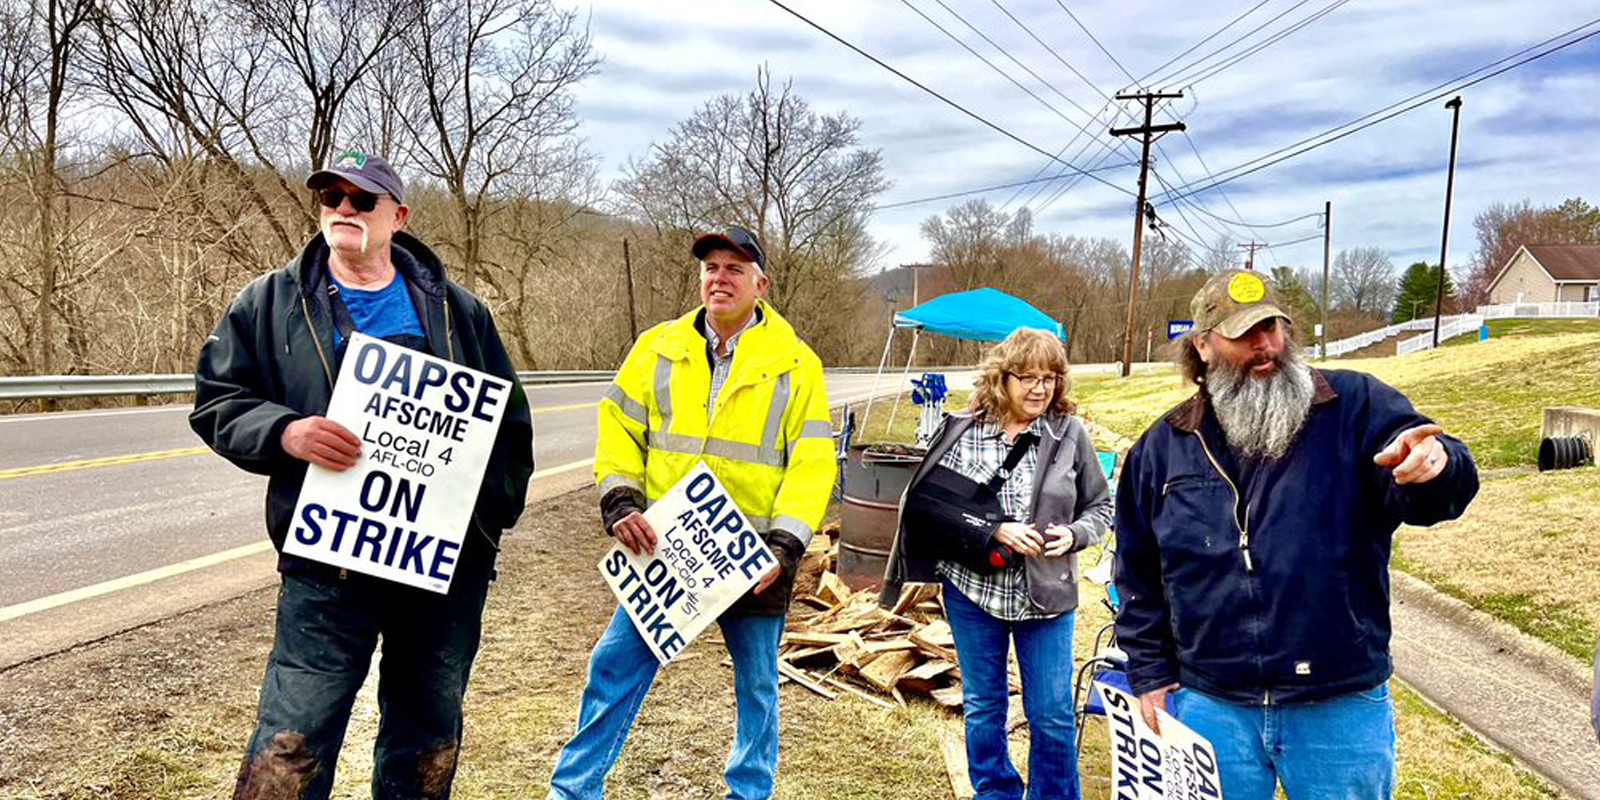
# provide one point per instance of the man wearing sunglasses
(263, 382)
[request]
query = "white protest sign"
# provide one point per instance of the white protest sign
(427, 427)
(707, 556)
(1177, 764)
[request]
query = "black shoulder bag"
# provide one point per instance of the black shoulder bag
(951, 517)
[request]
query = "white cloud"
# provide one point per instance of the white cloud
(1526, 134)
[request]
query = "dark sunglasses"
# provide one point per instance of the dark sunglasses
(331, 197)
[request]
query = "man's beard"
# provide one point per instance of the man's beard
(1261, 415)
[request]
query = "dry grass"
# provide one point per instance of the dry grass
(1524, 551)
(161, 713)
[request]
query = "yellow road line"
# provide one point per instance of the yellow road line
(573, 407)
(127, 582)
(150, 576)
(107, 461)
(135, 458)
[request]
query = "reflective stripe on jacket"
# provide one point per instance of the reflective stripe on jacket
(768, 440)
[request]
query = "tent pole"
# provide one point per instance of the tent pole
(882, 362)
(913, 354)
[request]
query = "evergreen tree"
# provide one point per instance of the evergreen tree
(1418, 291)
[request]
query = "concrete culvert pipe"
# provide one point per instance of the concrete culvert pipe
(1564, 452)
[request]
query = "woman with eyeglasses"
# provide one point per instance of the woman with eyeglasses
(1055, 503)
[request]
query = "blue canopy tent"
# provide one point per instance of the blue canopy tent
(985, 315)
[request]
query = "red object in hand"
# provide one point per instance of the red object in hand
(1000, 556)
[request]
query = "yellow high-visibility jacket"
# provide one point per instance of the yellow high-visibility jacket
(768, 440)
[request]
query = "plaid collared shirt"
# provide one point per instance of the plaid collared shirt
(977, 455)
(721, 365)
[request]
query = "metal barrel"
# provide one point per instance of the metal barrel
(1564, 452)
(869, 516)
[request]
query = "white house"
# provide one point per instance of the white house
(1549, 273)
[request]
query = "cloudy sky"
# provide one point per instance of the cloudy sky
(1531, 133)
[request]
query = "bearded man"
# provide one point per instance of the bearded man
(1254, 524)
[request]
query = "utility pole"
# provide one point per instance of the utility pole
(1250, 258)
(627, 266)
(1146, 134)
(1327, 250)
(1449, 189)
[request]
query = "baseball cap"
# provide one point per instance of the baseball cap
(369, 172)
(1232, 302)
(730, 237)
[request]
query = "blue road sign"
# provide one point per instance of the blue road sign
(1178, 327)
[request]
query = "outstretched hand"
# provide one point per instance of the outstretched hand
(1416, 455)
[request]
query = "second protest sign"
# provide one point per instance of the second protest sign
(706, 557)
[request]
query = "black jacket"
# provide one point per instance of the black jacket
(1069, 489)
(271, 361)
(1277, 590)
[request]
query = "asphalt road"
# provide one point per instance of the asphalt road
(96, 496)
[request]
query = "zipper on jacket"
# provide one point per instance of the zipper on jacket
(1244, 527)
(449, 329)
(305, 308)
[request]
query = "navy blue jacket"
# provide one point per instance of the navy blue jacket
(1277, 590)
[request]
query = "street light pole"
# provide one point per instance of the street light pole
(1449, 190)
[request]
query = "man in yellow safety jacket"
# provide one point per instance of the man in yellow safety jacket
(732, 385)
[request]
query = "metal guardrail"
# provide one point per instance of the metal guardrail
(31, 387)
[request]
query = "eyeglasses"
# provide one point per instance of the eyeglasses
(332, 197)
(1034, 381)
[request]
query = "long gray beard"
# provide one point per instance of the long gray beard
(1261, 416)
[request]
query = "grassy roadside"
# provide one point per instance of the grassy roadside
(160, 713)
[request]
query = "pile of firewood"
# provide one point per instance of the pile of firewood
(840, 641)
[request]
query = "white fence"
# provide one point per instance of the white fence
(1448, 327)
(1354, 343)
(1536, 310)
(1456, 325)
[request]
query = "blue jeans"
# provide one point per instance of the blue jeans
(1044, 652)
(621, 669)
(327, 630)
(1341, 748)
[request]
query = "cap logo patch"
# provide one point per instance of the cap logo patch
(1246, 288)
(351, 158)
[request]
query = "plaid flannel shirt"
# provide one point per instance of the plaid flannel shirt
(721, 366)
(977, 455)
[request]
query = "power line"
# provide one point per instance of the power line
(1366, 121)
(947, 101)
(1061, 191)
(1247, 34)
(1092, 38)
(992, 66)
(1201, 43)
(1316, 236)
(1048, 48)
(987, 189)
(1212, 71)
(1279, 224)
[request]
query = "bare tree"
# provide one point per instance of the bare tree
(497, 119)
(1502, 228)
(41, 44)
(1363, 280)
(769, 162)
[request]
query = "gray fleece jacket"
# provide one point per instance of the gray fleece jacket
(1069, 489)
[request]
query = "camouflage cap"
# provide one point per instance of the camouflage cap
(1232, 302)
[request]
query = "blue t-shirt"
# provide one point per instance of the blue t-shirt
(385, 313)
